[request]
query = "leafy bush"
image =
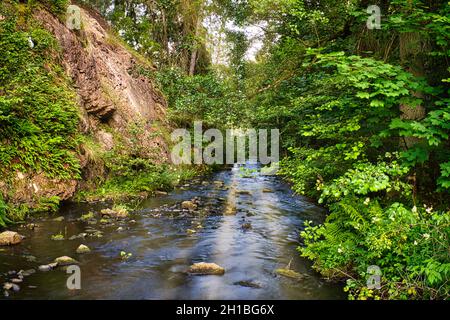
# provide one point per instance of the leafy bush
(409, 245)
(202, 97)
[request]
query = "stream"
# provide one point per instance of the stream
(247, 223)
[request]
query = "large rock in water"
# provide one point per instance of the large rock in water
(203, 268)
(9, 238)
(117, 213)
(65, 261)
(83, 249)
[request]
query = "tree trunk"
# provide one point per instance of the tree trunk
(194, 52)
(411, 45)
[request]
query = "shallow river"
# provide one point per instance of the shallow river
(162, 249)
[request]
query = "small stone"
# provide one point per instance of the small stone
(65, 261)
(87, 216)
(45, 268)
(78, 236)
(83, 249)
(11, 286)
(16, 280)
(104, 221)
(31, 226)
(118, 212)
(119, 229)
(190, 231)
(189, 205)
(59, 219)
(28, 273)
(7, 286)
(57, 237)
(10, 238)
(243, 192)
(161, 193)
(247, 226)
(204, 268)
(267, 190)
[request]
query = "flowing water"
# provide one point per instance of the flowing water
(162, 249)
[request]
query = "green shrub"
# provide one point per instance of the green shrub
(409, 245)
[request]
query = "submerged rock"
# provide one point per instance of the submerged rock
(190, 231)
(203, 268)
(27, 273)
(8, 238)
(83, 249)
(267, 190)
(58, 219)
(289, 274)
(78, 236)
(248, 284)
(161, 193)
(246, 192)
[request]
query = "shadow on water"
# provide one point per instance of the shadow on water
(162, 249)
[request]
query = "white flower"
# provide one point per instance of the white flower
(340, 250)
(414, 209)
(366, 202)
(428, 210)
(415, 243)
(426, 235)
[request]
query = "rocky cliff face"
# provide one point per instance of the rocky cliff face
(113, 95)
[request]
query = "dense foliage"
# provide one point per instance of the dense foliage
(363, 113)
